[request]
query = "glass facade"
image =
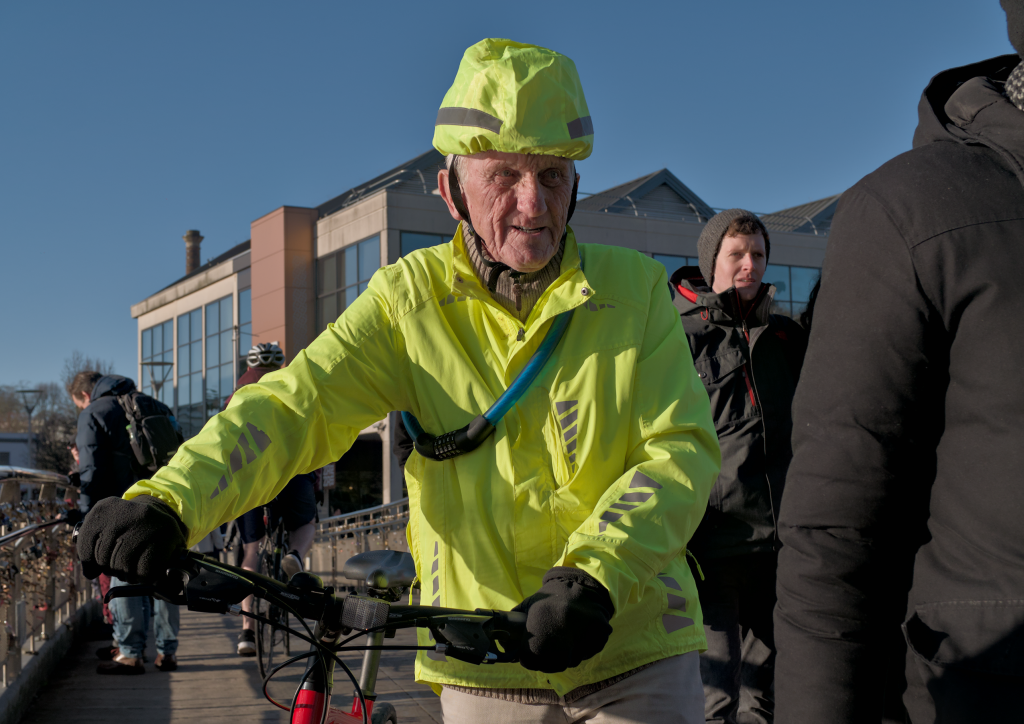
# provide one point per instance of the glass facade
(672, 263)
(343, 276)
(412, 241)
(220, 354)
(793, 285)
(244, 328)
(190, 372)
(158, 362)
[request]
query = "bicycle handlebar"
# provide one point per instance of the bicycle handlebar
(203, 584)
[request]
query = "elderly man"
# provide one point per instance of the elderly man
(578, 506)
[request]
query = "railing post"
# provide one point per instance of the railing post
(49, 600)
(334, 561)
(14, 653)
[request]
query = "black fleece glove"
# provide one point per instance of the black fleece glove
(136, 540)
(566, 621)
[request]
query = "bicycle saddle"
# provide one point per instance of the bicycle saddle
(381, 569)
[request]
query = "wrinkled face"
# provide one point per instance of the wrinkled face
(518, 204)
(740, 263)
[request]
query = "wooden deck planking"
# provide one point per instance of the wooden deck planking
(212, 683)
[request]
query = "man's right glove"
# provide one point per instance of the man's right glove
(135, 540)
(566, 621)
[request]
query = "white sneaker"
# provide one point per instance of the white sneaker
(247, 642)
(291, 564)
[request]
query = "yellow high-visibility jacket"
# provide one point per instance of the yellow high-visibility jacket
(606, 463)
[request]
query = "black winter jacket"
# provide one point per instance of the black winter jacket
(751, 385)
(908, 467)
(104, 451)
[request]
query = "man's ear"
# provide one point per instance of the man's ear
(442, 188)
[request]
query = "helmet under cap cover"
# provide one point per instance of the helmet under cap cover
(515, 98)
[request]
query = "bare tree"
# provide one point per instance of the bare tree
(55, 417)
(79, 362)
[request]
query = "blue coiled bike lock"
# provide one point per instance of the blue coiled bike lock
(467, 439)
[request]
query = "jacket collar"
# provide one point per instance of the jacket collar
(565, 293)
(691, 295)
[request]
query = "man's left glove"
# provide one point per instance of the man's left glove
(566, 621)
(135, 540)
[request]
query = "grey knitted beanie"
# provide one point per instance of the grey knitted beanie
(711, 240)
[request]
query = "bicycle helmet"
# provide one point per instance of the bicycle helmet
(265, 354)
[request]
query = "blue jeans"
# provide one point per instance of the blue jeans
(131, 623)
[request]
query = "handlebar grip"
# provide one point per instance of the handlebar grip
(362, 613)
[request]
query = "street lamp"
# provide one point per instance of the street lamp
(30, 399)
(156, 384)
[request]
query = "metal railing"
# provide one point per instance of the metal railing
(340, 537)
(41, 582)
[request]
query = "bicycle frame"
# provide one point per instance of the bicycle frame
(315, 692)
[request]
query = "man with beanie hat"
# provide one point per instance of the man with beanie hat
(749, 361)
(901, 520)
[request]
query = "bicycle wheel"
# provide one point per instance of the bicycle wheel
(273, 643)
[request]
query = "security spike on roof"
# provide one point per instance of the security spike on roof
(210, 263)
(418, 175)
(814, 217)
(659, 194)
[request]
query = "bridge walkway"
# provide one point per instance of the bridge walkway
(212, 684)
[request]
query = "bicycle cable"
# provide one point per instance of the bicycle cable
(323, 663)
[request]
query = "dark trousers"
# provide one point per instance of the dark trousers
(737, 597)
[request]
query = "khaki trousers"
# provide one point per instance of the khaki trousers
(668, 692)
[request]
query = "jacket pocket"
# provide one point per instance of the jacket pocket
(979, 636)
(723, 380)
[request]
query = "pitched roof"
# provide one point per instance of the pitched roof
(814, 217)
(659, 194)
(418, 175)
(229, 254)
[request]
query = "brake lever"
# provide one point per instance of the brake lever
(130, 591)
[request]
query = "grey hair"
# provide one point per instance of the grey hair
(451, 161)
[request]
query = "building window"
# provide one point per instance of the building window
(190, 372)
(158, 362)
(672, 262)
(412, 241)
(244, 328)
(793, 285)
(343, 276)
(220, 354)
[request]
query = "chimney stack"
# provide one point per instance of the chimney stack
(192, 240)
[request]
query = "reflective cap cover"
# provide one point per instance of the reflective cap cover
(515, 98)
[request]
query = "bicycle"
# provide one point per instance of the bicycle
(478, 637)
(272, 633)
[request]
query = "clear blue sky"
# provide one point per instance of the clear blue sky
(123, 124)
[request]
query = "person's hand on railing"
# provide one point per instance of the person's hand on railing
(134, 540)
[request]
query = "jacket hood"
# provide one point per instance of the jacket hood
(690, 293)
(112, 385)
(967, 105)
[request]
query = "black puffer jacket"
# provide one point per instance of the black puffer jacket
(105, 453)
(908, 467)
(751, 385)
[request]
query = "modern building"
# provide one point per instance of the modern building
(303, 266)
(14, 449)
